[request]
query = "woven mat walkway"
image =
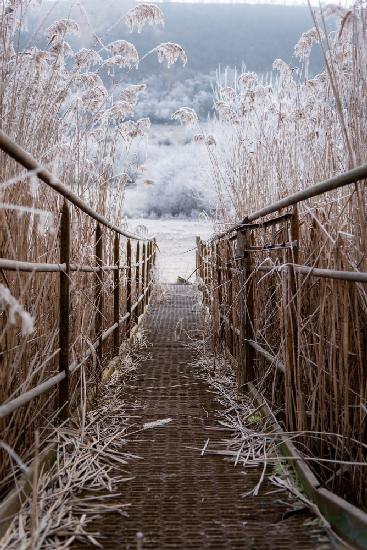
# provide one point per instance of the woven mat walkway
(178, 498)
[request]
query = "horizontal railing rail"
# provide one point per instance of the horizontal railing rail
(16, 152)
(347, 178)
(11, 406)
(15, 265)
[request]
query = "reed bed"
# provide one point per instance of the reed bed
(71, 112)
(273, 138)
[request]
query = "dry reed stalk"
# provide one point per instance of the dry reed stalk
(274, 138)
(76, 125)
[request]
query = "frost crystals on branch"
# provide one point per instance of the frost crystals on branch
(171, 52)
(131, 93)
(144, 14)
(185, 115)
(210, 140)
(247, 81)
(124, 54)
(57, 31)
(199, 138)
(228, 94)
(7, 300)
(85, 58)
(130, 129)
(303, 47)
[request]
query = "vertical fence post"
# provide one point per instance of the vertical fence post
(219, 291)
(143, 278)
(197, 266)
(152, 261)
(128, 287)
(229, 304)
(246, 370)
(137, 281)
(99, 296)
(205, 260)
(293, 393)
(64, 313)
(201, 256)
(116, 294)
(212, 271)
(232, 298)
(147, 272)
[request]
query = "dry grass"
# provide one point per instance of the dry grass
(253, 442)
(87, 479)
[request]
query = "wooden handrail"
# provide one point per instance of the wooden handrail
(11, 406)
(346, 178)
(25, 159)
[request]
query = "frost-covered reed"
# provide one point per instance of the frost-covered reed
(276, 136)
(70, 110)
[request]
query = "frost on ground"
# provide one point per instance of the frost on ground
(87, 476)
(176, 243)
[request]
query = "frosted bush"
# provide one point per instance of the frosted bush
(286, 131)
(144, 14)
(59, 102)
(15, 309)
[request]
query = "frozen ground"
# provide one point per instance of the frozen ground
(176, 239)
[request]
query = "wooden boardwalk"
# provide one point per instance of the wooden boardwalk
(180, 499)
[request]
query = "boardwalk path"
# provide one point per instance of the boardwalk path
(178, 498)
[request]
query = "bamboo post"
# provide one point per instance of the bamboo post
(293, 393)
(143, 278)
(128, 287)
(99, 296)
(137, 281)
(246, 370)
(64, 313)
(116, 294)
